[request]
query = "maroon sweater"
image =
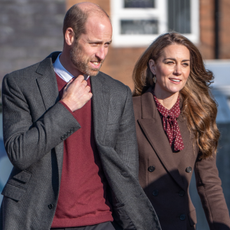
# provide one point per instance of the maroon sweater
(82, 198)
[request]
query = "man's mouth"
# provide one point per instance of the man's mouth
(95, 62)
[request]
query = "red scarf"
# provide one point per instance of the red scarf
(170, 125)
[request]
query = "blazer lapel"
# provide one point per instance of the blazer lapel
(151, 125)
(47, 85)
(100, 104)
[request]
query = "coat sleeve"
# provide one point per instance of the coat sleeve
(126, 145)
(27, 141)
(211, 194)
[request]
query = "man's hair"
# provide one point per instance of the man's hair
(76, 18)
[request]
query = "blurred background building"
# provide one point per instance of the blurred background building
(31, 29)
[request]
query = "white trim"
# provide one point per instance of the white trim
(159, 13)
(195, 27)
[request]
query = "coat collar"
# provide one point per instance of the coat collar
(151, 125)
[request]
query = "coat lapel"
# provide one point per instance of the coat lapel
(151, 125)
(100, 102)
(47, 85)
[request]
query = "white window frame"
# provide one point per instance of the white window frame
(159, 13)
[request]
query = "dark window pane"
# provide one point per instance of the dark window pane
(179, 17)
(139, 27)
(139, 3)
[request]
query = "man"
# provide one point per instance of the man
(69, 132)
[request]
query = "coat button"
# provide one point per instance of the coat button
(151, 168)
(182, 217)
(181, 193)
(155, 193)
(50, 206)
(188, 169)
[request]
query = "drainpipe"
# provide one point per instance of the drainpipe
(216, 18)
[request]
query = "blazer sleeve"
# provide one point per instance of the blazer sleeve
(27, 141)
(126, 145)
(211, 194)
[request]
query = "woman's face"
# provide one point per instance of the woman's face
(171, 69)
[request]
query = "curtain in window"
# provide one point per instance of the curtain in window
(179, 16)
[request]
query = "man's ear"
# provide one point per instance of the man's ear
(152, 66)
(69, 36)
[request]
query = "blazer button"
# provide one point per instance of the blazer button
(181, 193)
(188, 169)
(182, 217)
(155, 193)
(151, 168)
(50, 206)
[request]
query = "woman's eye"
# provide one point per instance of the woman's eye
(185, 64)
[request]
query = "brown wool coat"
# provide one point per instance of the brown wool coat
(165, 176)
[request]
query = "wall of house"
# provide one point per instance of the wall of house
(30, 30)
(224, 16)
(207, 28)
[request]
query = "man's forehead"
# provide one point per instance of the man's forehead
(95, 21)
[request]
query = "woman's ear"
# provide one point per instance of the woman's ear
(152, 66)
(69, 36)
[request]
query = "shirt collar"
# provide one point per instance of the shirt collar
(62, 72)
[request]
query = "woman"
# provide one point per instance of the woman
(177, 133)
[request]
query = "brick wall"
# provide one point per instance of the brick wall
(207, 29)
(30, 30)
(224, 16)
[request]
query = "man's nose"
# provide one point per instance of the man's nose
(101, 52)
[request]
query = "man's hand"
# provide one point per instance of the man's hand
(76, 93)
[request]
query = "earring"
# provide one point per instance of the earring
(154, 79)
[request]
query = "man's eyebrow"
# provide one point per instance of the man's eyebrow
(99, 42)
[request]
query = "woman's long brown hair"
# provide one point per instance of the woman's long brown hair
(198, 105)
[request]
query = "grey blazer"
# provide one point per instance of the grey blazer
(35, 125)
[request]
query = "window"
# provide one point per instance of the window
(139, 22)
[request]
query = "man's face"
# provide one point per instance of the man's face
(89, 52)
